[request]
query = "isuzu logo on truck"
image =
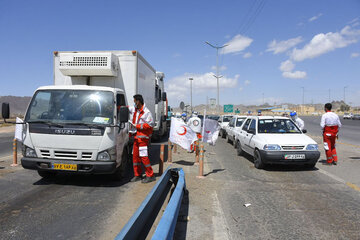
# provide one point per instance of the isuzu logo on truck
(65, 131)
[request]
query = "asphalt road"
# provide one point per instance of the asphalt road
(68, 206)
(6, 143)
(349, 132)
(286, 202)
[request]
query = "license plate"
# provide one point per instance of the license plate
(66, 167)
(294, 156)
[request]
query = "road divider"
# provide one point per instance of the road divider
(140, 223)
(14, 164)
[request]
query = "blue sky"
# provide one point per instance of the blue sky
(275, 47)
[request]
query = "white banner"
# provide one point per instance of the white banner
(181, 134)
(211, 130)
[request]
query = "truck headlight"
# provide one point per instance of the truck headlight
(272, 147)
(103, 156)
(312, 147)
(29, 152)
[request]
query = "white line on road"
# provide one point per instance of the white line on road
(332, 176)
(218, 221)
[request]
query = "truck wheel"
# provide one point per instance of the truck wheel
(239, 150)
(258, 163)
(121, 171)
(47, 174)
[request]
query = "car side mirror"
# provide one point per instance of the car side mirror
(123, 116)
(304, 131)
(5, 111)
(164, 97)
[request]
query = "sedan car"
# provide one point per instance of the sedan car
(233, 127)
(224, 121)
(276, 140)
(347, 116)
(356, 117)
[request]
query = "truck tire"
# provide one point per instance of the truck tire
(121, 171)
(47, 174)
(239, 150)
(258, 163)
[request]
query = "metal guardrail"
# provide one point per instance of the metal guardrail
(138, 225)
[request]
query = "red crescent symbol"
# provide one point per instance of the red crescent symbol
(182, 134)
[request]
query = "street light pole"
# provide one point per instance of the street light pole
(217, 71)
(344, 94)
(191, 79)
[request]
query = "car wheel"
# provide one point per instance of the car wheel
(258, 163)
(47, 174)
(239, 150)
(223, 134)
(228, 139)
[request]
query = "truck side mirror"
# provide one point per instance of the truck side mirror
(5, 111)
(123, 114)
(164, 97)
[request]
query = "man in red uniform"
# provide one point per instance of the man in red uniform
(330, 123)
(142, 124)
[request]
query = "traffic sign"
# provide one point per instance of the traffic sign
(228, 108)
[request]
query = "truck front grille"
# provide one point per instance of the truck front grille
(45, 153)
(65, 154)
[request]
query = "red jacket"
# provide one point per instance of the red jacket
(143, 121)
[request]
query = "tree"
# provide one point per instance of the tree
(344, 107)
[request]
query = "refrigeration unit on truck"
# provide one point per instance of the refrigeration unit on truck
(80, 123)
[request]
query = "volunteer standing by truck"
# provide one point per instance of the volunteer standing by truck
(330, 124)
(142, 127)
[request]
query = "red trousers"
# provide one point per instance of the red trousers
(140, 155)
(329, 135)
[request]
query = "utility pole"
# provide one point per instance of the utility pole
(329, 95)
(263, 98)
(217, 76)
(344, 94)
(191, 79)
(303, 99)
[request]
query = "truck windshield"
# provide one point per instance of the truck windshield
(277, 126)
(71, 106)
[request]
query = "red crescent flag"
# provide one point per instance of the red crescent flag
(181, 134)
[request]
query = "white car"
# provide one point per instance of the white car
(276, 140)
(348, 116)
(233, 127)
(224, 121)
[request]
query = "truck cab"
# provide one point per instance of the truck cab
(75, 128)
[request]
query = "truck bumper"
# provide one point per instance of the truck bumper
(278, 157)
(91, 167)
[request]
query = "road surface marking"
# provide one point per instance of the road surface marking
(353, 186)
(337, 142)
(218, 221)
(349, 184)
(332, 176)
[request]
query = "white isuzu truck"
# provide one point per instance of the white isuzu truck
(80, 123)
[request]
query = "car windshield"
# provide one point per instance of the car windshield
(277, 126)
(71, 106)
